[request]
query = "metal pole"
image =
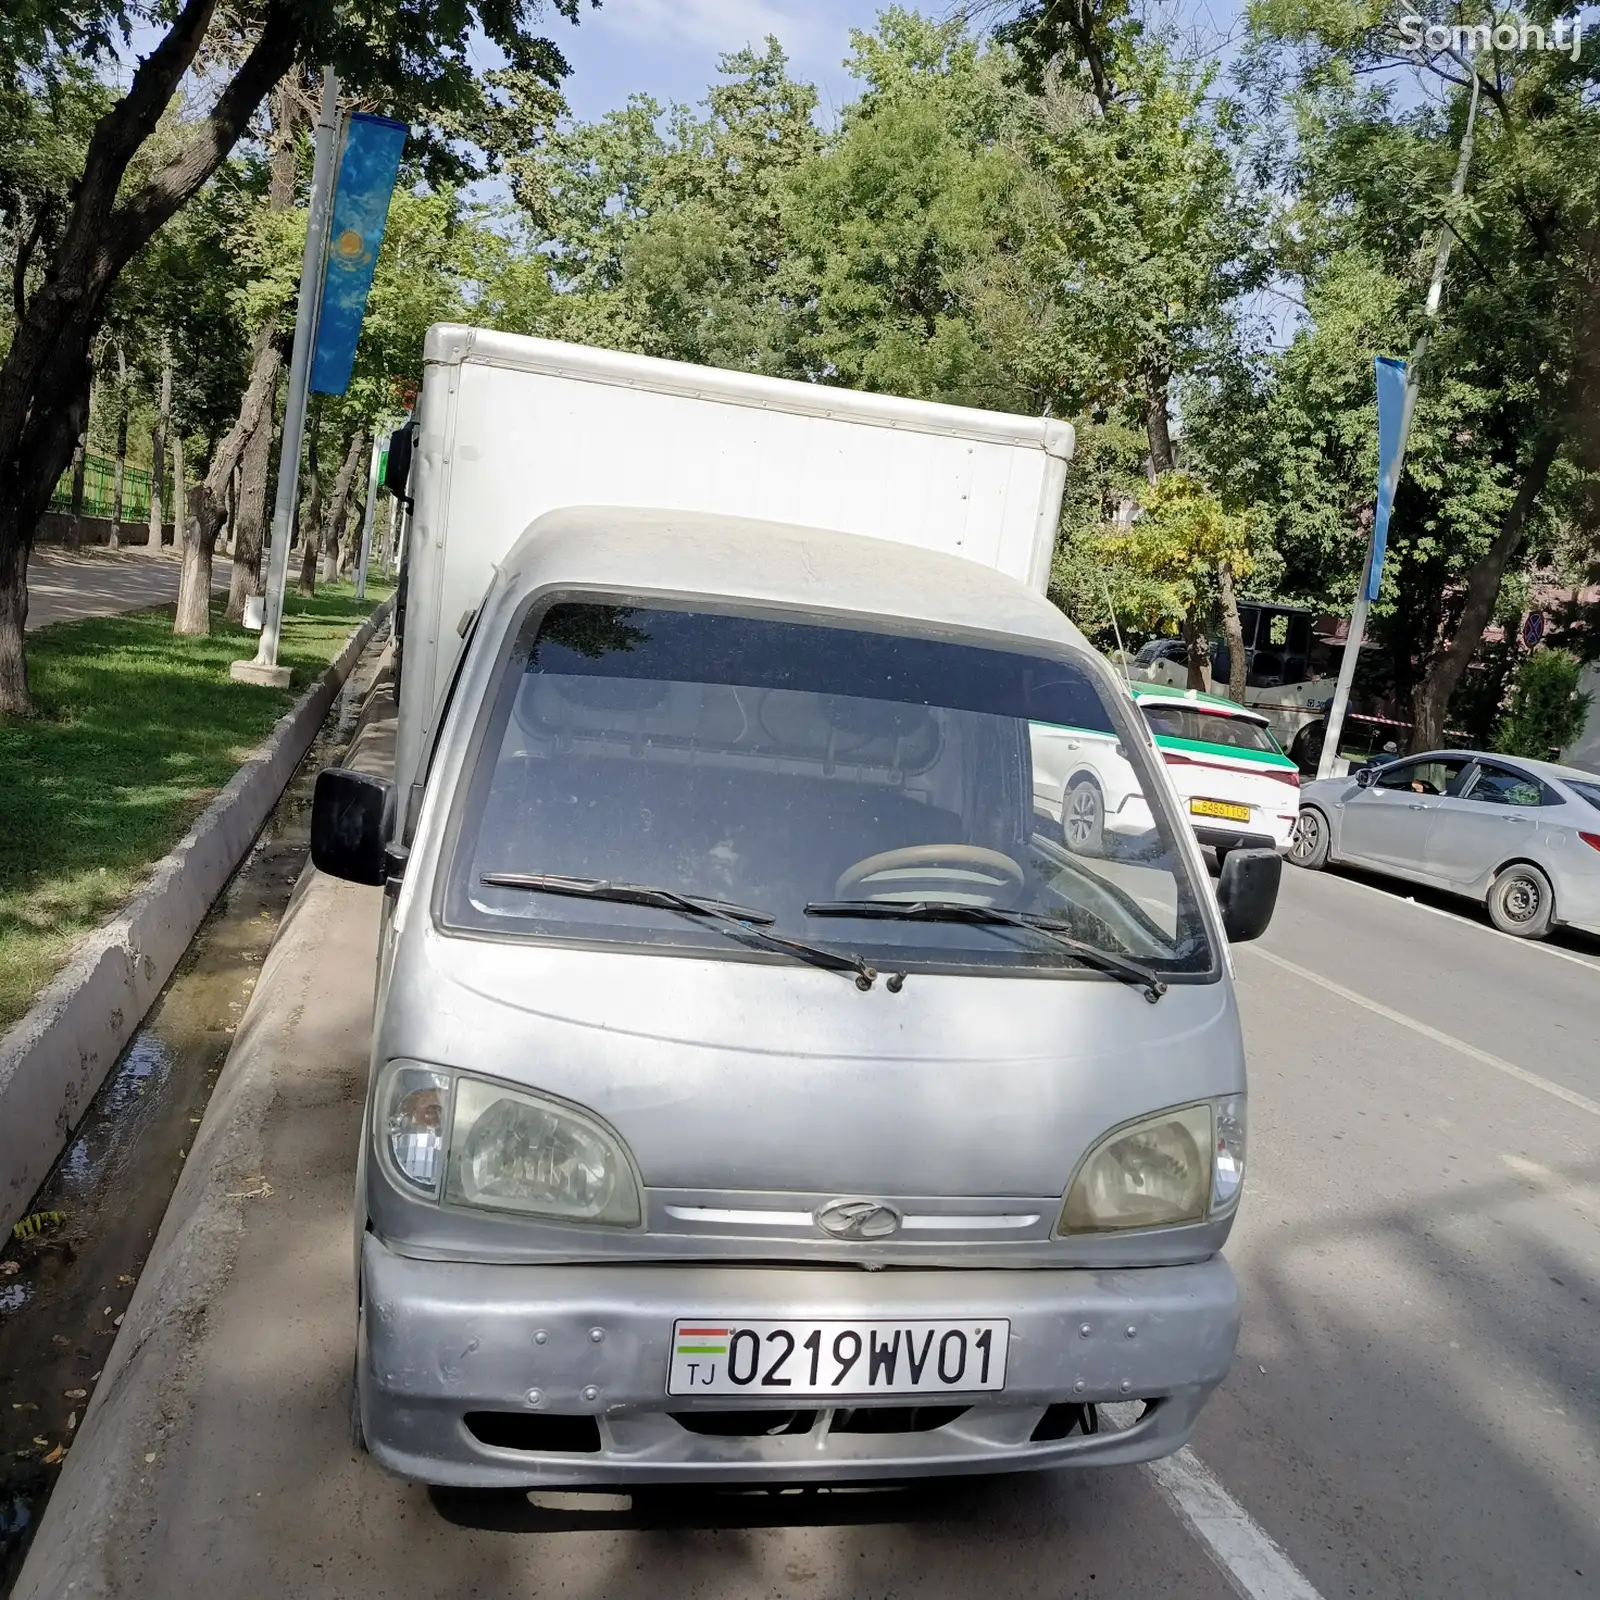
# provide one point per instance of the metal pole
(366, 521)
(1358, 612)
(264, 668)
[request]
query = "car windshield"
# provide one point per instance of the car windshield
(773, 764)
(1200, 726)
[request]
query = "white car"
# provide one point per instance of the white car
(1237, 785)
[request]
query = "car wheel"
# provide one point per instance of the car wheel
(1083, 817)
(1521, 902)
(1308, 845)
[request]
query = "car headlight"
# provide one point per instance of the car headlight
(1177, 1166)
(496, 1148)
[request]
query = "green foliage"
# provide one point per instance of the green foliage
(1163, 568)
(1547, 710)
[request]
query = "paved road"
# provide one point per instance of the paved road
(67, 585)
(1415, 1410)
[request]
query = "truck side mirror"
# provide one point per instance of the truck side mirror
(397, 464)
(351, 813)
(1247, 892)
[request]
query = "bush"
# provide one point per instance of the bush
(1547, 710)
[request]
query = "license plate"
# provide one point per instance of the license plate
(815, 1359)
(1220, 808)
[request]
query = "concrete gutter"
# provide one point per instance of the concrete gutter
(57, 1056)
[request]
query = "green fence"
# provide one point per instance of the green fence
(99, 483)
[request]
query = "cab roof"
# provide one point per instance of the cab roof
(1209, 702)
(692, 554)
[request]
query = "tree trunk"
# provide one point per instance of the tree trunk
(310, 522)
(1432, 699)
(333, 523)
(250, 511)
(255, 411)
(80, 462)
(180, 495)
(44, 375)
(1158, 424)
(1199, 649)
(117, 477)
(1233, 631)
(158, 450)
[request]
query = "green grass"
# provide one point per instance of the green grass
(136, 732)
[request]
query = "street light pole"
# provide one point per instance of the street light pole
(264, 669)
(1358, 613)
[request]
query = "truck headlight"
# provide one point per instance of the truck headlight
(496, 1148)
(1174, 1167)
(511, 1151)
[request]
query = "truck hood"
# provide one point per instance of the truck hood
(754, 1075)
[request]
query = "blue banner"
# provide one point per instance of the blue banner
(368, 165)
(1391, 415)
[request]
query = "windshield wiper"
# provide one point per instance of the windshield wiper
(995, 917)
(720, 913)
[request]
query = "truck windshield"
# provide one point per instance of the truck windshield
(778, 764)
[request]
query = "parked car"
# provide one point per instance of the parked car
(1521, 837)
(1236, 785)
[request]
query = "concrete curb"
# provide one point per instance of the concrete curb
(57, 1056)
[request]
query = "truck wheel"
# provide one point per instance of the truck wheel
(1083, 817)
(1521, 902)
(1308, 846)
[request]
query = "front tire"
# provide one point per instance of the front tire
(1308, 847)
(1083, 817)
(1521, 902)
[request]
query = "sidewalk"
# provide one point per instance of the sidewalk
(65, 586)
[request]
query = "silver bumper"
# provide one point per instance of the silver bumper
(444, 1340)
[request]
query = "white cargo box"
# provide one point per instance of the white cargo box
(510, 428)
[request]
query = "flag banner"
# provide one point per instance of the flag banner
(369, 162)
(1391, 374)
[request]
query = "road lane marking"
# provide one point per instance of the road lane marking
(1250, 1559)
(1533, 946)
(1509, 1068)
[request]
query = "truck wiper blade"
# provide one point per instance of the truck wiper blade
(720, 913)
(997, 917)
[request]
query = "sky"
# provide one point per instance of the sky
(669, 48)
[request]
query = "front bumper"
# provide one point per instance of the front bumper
(442, 1340)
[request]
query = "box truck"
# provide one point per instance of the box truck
(762, 1086)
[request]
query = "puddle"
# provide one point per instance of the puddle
(63, 1291)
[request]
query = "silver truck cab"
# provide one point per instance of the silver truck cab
(761, 1089)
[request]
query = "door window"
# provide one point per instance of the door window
(1505, 786)
(1431, 775)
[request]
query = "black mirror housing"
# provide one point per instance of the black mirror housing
(397, 465)
(351, 817)
(1247, 892)
(1366, 777)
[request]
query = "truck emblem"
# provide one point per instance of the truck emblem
(858, 1219)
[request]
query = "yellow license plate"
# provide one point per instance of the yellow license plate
(1220, 808)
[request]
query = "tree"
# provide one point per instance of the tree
(1179, 562)
(411, 57)
(1146, 230)
(905, 233)
(1547, 710)
(1506, 446)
